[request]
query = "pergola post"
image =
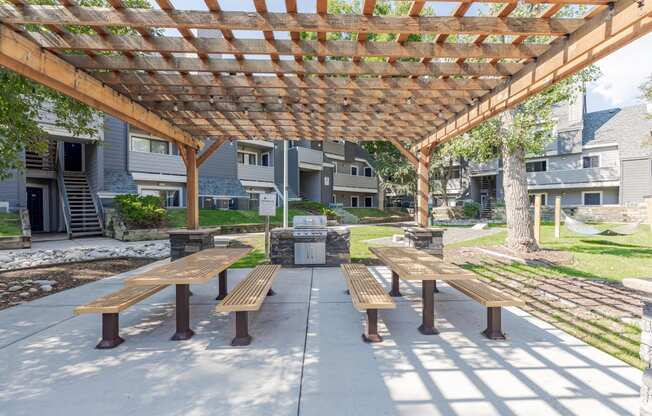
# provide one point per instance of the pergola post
(192, 189)
(423, 187)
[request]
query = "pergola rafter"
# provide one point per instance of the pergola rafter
(413, 94)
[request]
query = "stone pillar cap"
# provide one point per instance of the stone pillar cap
(643, 284)
(194, 232)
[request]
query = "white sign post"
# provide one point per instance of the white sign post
(267, 208)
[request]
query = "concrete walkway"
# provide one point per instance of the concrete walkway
(306, 358)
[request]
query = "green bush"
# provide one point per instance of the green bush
(141, 211)
(314, 208)
(471, 209)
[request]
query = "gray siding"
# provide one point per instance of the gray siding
(222, 163)
(326, 190)
(115, 144)
(636, 180)
(156, 163)
(11, 190)
(94, 168)
(573, 197)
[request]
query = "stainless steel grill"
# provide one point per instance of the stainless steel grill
(310, 234)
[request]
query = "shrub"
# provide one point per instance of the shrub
(314, 208)
(471, 209)
(141, 211)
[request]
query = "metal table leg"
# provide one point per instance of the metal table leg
(222, 286)
(395, 292)
(183, 314)
(428, 324)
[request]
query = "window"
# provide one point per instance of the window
(354, 202)
(590, 162)
(170, 197)
(143, 144)
(264, 159)
(592, 198)
(543, 199)
(536, 166)
(368, 201)
(247, 158)
(368, 172)
(354, 170)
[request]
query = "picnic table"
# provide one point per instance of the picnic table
(197, 268)
(416, 265)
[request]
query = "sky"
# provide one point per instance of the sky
(622, 72)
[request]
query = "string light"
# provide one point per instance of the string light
(176, 107)
(279, 100)
(211, 100)
(346, 101)
(409, 100)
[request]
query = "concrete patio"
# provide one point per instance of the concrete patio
(306, 358)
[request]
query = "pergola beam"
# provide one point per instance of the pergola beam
(283, 22)
(149, 63)
(202, 45)
(25, 57)
(603, 34)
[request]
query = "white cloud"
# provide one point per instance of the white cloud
(622, 74)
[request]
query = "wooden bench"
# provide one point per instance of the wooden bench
(248, 296)
(367, 295)
(490, 297)
(110, 307)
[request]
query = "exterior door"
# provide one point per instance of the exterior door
(73, 157)
(35, 207)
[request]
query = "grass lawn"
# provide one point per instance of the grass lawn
(597, 257)
(375, 212)
(359, 249)
(216, 217)
(9, 225)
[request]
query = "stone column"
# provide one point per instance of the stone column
(186, 242)
(645, 286)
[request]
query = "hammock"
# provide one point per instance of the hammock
(578, 227)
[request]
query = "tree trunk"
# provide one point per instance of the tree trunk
(520, 232)
(443, 182)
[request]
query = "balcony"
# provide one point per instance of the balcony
(156, 163)
(490, 167)
(573, 177)
(255, 173)
(310, 156)
(335, 148)
(342, 180)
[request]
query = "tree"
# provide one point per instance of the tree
(646, 87)
(23, 101)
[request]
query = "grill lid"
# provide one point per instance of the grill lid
(309, 221)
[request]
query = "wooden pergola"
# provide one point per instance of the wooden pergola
(193, 87)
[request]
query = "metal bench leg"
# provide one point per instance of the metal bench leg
(242, 336)
(183, 314)
(428, 321)
(434, 284)
(222, 286)
(371, 334)
(271, 292)
(494, 325)
(395, 292)
(110, 332)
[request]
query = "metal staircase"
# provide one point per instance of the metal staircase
(83, 220)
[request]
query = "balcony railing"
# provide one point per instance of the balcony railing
(334, 147)
(42, 162)
(255, 173)
(573, 176)
(354, 181)
(307, 155)
(490, 166)
(156, 163)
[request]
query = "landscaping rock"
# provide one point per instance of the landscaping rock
(24, 295)
(33, 290)
(15, 288)
(46, 288)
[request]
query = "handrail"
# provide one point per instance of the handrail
(63, 193)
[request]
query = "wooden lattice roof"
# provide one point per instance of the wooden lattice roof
(194, 85)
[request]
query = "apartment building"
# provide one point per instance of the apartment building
(597, 158)
(336, 173)
(67, 189)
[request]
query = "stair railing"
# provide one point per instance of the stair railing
(63, 194)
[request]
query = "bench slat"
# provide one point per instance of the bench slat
(485, 294)
(250, 293)
(118, 301)
(366, 292)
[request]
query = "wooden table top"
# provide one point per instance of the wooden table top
(196, 268)
(412, 264)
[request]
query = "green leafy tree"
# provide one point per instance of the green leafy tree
(22, 102)
(646, 88)
(444, 162)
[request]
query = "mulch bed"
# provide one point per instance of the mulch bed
(65, 276)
